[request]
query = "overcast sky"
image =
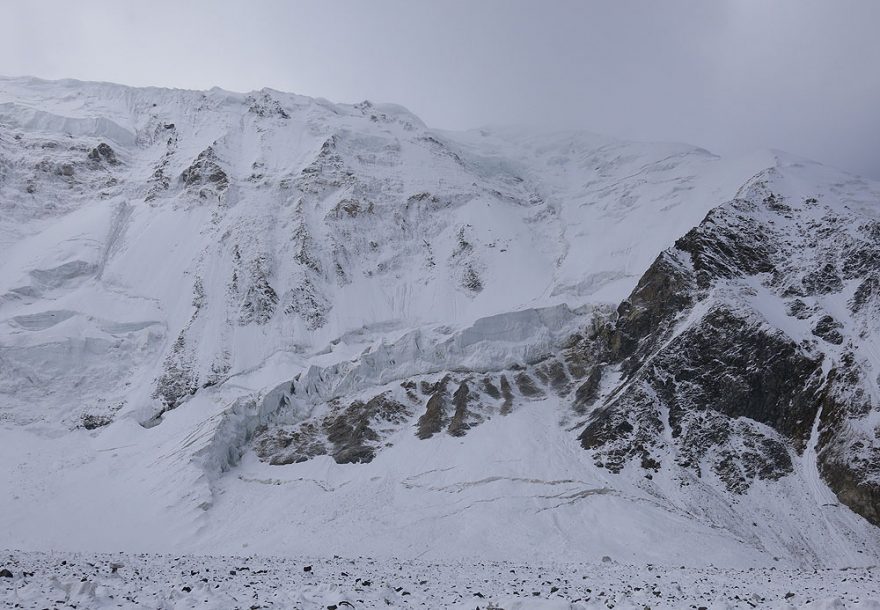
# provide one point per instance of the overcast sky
(798, 75)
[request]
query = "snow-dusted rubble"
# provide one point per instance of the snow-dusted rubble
(265, 323)
(167, 581)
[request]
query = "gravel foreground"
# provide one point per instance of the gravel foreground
(85, 581)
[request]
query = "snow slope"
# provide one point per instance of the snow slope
(190, 280)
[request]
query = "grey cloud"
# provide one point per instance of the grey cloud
(732, 76)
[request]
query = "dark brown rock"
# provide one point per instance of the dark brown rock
(587, 393)
(507, 395)
(458, 426)
(434, 418)
(527, 386)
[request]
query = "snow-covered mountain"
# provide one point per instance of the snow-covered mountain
(273, 323)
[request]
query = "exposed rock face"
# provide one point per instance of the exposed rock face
(827, 328)
(664, 291)
(588, 391)
(849, 448)
(459, 425)
(699, 386)
(178, 379)
(527, 385)
(434, 418)
(710, 383)
(506, 394)
(103, 153)
(259, 298)
(775, 384)
(854, 486)
(205, 175)
(349, 434)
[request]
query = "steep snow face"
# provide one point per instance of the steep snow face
(268, 321)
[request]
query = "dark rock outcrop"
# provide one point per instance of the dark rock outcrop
(458, 425)
(103, 153)
(434, 418)
(349, 434)
(526, 385)
(703, 370)
(352, 431)
(205, 174)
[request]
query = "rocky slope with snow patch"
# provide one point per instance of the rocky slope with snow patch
(747, 342)
(271, 321)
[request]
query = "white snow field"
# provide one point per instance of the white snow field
(170, 260)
